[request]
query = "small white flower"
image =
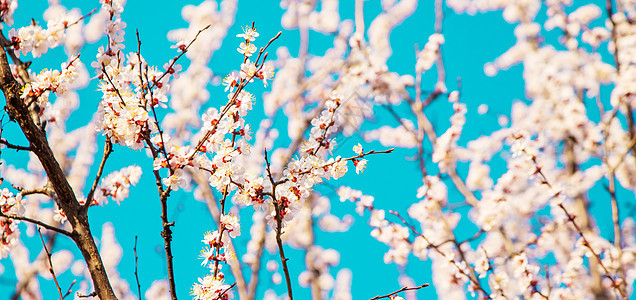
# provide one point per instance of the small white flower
(360, 165)
(358, 149)
(246, 49)
(249, 33)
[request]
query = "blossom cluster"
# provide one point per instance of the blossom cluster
(442, 154)
(130, 87)
(224, 173)
(116, 185)
(7, 7)
(430, 53)
(213, 286)
(37, 40)
(49, 81)
(9, 234)
(282, 199)
(32, 39)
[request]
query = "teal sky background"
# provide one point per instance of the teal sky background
(470, 42)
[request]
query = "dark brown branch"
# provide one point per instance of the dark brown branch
(279, 224)
(405, 288)
(15, 147)
(108, 149)
(39, 145)
(36, 222)
(220, 296)
(136, 274)
(93, 294)
(166, 232)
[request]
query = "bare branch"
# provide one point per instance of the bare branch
(48, 256)
(108, 149)
(15, 147)
(279, 225)
(136, 274)
(36, 222)
(405, 288)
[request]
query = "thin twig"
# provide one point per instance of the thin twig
(48, 255)
(123, 103)
(93, 294)
(36, 222)
(162, 146)
(220, 296)
(32, 273)
(15, 147)
(166, 233)
(262, 50)
(45, 190)
(405, 288)
(174, 60)
(108, 149)
(70, 289)
(472, 279)
(136, 274)
(219, 242)
(544, 180)
(81, 18)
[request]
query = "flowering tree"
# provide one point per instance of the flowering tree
(531, 232)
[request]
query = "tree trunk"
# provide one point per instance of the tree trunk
(66, 200)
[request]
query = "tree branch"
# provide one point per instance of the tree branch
(15, 147)
(136, 274)
(279, 225)
(108, 149)
(405, 288)
(48, 256)
(78, 219)
(39, 223)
